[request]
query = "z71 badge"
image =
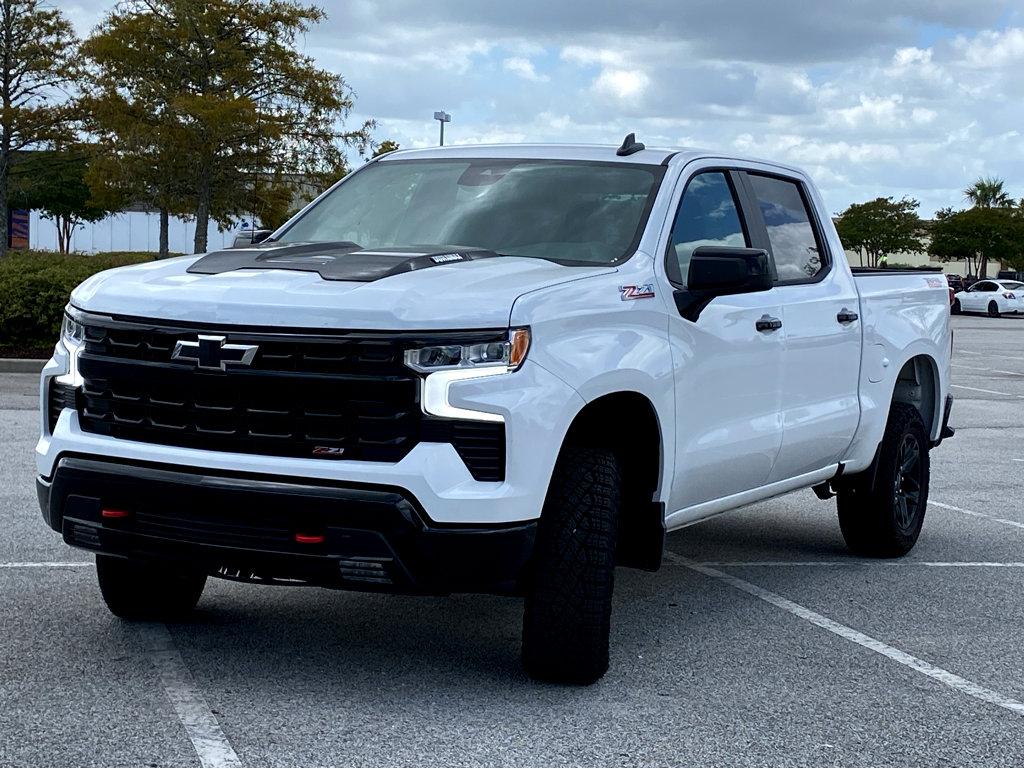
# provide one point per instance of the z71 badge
(642, 291)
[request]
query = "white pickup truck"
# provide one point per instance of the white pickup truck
(500, 369)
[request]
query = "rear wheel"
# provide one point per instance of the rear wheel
(993, 309)
(881, 510)
(142, 591)
(567, 615)
(955, 307)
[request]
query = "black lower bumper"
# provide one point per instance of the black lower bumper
(278, 530)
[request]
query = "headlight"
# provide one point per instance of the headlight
(508, 354)
(72, 333)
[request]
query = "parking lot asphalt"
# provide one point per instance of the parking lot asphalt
(780, 649)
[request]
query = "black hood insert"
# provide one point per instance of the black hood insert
(341, 260)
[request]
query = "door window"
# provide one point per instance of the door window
(984, 286)
(707, 216)
(794, 244)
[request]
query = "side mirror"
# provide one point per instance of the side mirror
(722, 271)
(250, 237)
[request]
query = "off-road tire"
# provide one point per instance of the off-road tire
(140, 591)
(874, 521)
(954, 308)
(567, 614)
(993, 309)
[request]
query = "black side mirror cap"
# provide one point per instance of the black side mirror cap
(722, 271)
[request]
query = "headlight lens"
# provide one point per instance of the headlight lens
(72, 333)
(509, 354)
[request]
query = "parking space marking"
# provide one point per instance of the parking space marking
(943, 676)
(975, 352)
(990, 392)
(201, 725)
(1005, 521)
(42, 564)
(980, 368)
(855, 562)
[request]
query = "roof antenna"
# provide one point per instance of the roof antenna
(630, 145)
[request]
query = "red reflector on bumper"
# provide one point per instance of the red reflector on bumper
(309, 539)
(115, 513)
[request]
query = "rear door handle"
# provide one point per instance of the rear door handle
(846, 316)
(768, 323)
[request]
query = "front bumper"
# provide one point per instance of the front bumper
(273, 529)
(536, 405)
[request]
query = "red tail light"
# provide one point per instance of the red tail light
(109, 513)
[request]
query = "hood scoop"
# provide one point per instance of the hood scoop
(335, 261)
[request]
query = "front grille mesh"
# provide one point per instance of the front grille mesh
(306, 396)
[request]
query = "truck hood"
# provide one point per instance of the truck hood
(459, 295)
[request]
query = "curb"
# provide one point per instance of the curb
(21, 365)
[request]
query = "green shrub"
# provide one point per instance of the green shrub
(35, 286)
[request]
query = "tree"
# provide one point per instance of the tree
(232, 103)
(988, 192)
(388, 145)
(143, 158)
(881, 227)
(38, 62)
(53, 182)
(978, 235)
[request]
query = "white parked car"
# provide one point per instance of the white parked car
(994, 297)
(502, 369)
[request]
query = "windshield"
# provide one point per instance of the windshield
(1011, 285)
(569, 211)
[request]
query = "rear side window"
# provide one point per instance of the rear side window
(707, 216)
(794, 245)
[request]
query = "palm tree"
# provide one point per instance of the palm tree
(988, 192)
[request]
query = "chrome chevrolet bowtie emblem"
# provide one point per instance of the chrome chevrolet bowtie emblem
(214, 352)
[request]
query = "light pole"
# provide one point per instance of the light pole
(442, 117)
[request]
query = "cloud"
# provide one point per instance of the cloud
(621, 84)
(523, 67)
(894, 97)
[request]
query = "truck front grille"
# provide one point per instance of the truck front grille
(346, 396)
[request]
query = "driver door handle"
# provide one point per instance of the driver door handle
(768, 323)
(846, 316)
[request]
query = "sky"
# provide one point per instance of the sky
(873, 97)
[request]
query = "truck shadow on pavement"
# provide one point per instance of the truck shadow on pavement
(277, 638)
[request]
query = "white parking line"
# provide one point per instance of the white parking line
(982, 390)
(201, 725)
(1005, 521)
(975, 352)
(42, 564)
(934, 672)
(856, 562)
(980, 368)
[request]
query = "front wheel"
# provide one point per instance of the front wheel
(993, 309)
(567, 615)
(135, 590)
(881, 510)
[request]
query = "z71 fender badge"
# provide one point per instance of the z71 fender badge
(642, 291)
